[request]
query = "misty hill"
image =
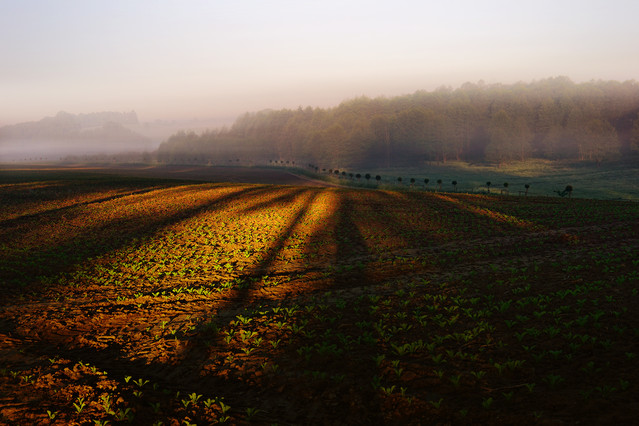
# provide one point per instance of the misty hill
(67, 134)
(67, 125)
(553, 118)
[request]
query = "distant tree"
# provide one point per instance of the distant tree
(378, 178)
(439, 184)
(426, 181)
(358, 176)
(600, 141)
(522, 138)
(350, 175)
(455, 185)
(568, 190)
(381, 127)
(634, 135)
(503, 133)
(367, 176)
(399, 179)
(506, 186)
(527, 187)
(412, 182)
(551, 144)
(488, 185)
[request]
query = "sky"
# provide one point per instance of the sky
(216, 59)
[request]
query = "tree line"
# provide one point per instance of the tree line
(553, 118)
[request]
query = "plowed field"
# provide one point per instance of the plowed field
(171, 302)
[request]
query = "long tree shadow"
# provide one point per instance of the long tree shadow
(347, 256)
(68, 189)
(46, 214)
(248, 293)
(100, 239)
(185, 370)
(288, 196)
(350, 245)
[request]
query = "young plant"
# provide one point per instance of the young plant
(79, 405)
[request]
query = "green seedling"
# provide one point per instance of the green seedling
(553, 380)
(106, 404)
(252, 412)
(388, 390)
(436, 404)
(194, 397)
(455, 380)
(141, 382)
(244, 320)
(606, 390)
(478, 374)
(225, 408)
(275, 343)
(125, 414)
(487, 402)
(79, 405)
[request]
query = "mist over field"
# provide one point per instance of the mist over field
(95, 135)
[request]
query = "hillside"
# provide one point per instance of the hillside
(70, 134)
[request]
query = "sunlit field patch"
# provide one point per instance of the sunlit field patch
(152, 301)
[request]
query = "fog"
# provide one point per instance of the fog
(83, 135)
(205, 60)
(31, 150)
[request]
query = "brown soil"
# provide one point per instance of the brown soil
(171, 302)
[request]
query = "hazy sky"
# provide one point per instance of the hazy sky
(206, 59)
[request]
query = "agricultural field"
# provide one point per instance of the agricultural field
(610, 181)
(148, 301)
